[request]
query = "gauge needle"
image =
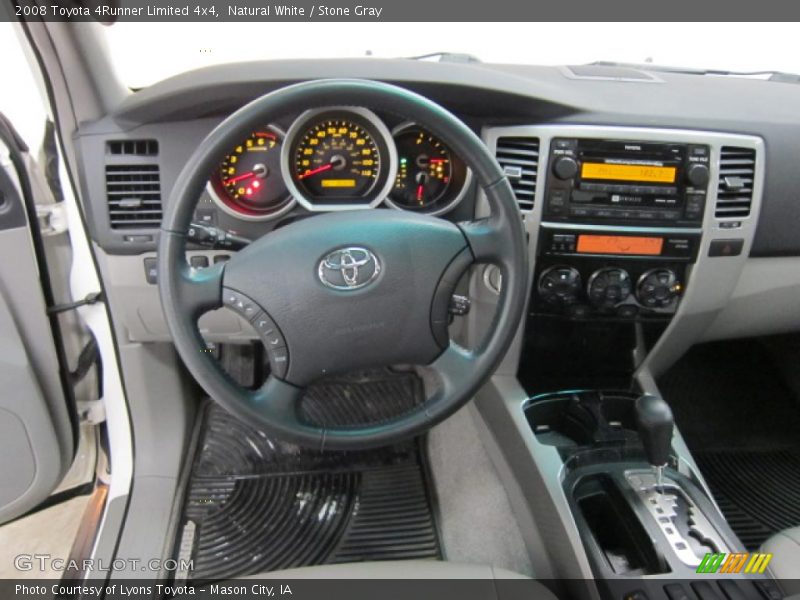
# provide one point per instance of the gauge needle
(239, 178)
(311, 172)
(420, 192)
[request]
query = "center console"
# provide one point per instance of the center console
(637, 238)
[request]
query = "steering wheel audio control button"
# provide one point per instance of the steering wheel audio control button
(267, 330)
(279, 362)
(240, 304)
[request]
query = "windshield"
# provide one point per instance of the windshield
(174, 48)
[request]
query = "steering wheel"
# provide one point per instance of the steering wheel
(400, 269)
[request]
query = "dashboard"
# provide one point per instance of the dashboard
(627, 215)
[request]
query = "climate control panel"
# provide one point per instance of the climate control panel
(588, 287)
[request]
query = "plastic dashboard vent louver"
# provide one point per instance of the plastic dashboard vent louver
(134, 196)
(519, 159)
(132, 147)
(737, 168)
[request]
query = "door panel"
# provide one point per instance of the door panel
(36, 426)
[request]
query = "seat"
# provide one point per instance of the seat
(393, 569)
(408, 571)
(785, 563)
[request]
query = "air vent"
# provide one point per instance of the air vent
(132, 147)
(737, 167)
(134, 196)
(519, 159)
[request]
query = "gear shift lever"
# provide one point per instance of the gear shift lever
(655, 423)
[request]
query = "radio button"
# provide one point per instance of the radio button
(698, 175)
(565, 167)
(557, 199)
(577, 211)
(695, 203)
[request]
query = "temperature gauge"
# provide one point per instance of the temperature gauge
(429, 178)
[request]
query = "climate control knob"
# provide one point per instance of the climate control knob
(559, 284)
(609, 287)
(657, 288)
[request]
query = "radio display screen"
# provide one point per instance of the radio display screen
(648, 173)
(619, 244)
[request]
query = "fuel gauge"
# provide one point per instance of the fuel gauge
(429, 178)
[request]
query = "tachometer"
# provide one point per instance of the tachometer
(339, 158)
(248, 183)
(429, 177)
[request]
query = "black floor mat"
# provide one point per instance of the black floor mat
(758, 491)
(732, 395)
(255, 504)
(740, 420)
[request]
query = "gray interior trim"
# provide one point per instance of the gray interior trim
(161, 403)
(406, 569)
(765, 301)
(467, 484)
(538, 471)
(28, 432)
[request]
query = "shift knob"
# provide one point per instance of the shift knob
(655, 423)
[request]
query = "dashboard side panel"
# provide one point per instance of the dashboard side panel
(764, 301)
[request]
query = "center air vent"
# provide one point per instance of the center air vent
(519, 159)
(737, 167)
(134, 196)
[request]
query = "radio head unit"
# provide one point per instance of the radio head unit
(621, 181)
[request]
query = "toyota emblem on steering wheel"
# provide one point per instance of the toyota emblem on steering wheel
(349, 269)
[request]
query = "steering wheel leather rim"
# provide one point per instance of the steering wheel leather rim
(499, 239)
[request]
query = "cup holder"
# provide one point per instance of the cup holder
(583, 419)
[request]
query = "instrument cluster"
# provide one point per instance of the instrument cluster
(338, 158)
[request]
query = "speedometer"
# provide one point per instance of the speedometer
(339, 158)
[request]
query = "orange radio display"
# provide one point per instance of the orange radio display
(628, 172)
(619, 244)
